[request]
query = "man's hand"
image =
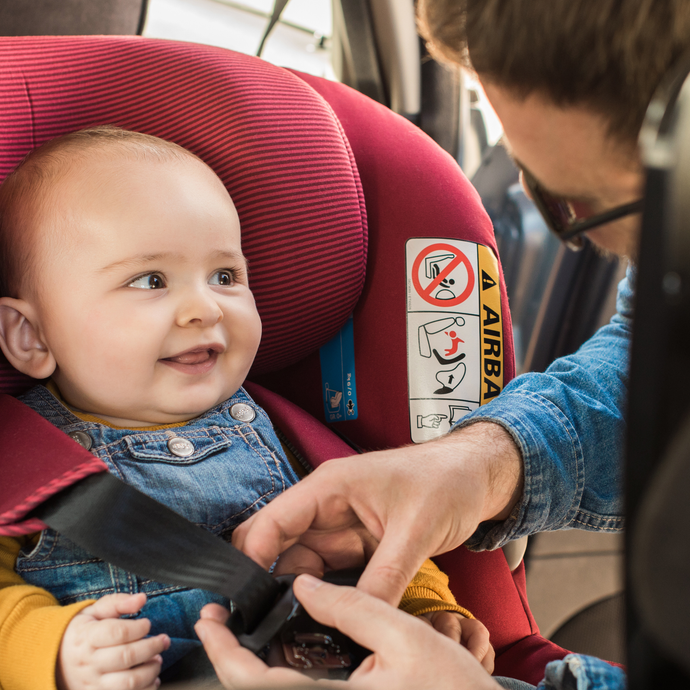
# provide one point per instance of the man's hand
(100, 650)
(407, 654)
(468, 632)
(393, 508)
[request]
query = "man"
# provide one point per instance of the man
(570, 81)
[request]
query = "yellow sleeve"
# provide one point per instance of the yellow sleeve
(32, 623)
(429, 592)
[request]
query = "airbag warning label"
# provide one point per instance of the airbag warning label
(454, 332)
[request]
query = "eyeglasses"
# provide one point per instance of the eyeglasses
(561, 218)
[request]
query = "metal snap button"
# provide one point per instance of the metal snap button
(82, 438)
(242, 412)
(180, 447)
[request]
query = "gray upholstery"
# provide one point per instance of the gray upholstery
(598, 630)
(71, 17)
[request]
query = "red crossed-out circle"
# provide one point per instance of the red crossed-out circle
(425, 292)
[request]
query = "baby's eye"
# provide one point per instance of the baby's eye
(221, 278)
(151, 281)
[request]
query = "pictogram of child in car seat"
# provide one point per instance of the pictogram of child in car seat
(432, 269)
(439, 335)
(334, 397)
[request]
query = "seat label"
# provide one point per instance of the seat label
(454, 332)
(338, 383)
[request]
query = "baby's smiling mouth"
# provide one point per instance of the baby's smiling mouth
(198, 360)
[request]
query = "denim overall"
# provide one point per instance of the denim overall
(216, 472)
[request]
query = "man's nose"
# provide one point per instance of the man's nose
(198, 309)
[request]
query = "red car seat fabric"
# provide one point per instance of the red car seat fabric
(291, 165)
(412, 189)
(274, 142)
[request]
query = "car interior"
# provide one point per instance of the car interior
(559, 591)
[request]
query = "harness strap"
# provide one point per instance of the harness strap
(125, 527)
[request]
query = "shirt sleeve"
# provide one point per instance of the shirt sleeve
(568, 424)
(580, 671)
(429, 592)
(32, 623)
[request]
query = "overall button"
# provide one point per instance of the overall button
(82, 438)
(180, 447)
(242, 412)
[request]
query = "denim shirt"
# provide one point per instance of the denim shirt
(580, 672)
(574, 672)
(568, 423)
(235, 468)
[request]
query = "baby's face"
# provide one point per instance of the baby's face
(144, 300)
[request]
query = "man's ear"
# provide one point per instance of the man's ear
(21, 341)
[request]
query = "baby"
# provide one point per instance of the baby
(124, 284)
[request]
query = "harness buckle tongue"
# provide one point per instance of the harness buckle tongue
(283, 610)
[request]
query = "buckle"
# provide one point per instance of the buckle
(306, 644)
(314, 651)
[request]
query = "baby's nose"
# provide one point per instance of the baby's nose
(199, 310)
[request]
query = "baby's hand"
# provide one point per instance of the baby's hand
(101, 651)
(467, 631)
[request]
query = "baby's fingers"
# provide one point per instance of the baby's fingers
(127, 656)
(475, 637)
(144, 677)
(113, 632)
(487, 661)
(448, 623)
(116, 605)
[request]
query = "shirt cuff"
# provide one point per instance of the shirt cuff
(552, 461)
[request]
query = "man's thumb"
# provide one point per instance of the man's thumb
(368, 621)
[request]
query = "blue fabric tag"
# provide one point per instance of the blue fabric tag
(338, 375)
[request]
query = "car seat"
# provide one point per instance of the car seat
(329, 187)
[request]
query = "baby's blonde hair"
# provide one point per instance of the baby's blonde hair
(24, 197)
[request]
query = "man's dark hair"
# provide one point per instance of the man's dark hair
(606, 55)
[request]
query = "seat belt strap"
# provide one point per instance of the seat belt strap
(278, 7)
(125, 527)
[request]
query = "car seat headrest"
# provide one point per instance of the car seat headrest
(274, 142)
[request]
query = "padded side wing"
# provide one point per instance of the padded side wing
(38, 460)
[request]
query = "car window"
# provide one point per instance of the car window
(301, 39)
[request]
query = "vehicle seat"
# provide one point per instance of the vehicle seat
(329, 186)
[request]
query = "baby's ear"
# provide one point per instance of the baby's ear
(21, 341)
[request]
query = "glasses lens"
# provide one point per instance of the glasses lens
(559, 212)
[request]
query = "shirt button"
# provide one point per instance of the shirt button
(242, 412)
(82, 438)
(180, 447)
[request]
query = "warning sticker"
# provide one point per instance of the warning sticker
(454, 332)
